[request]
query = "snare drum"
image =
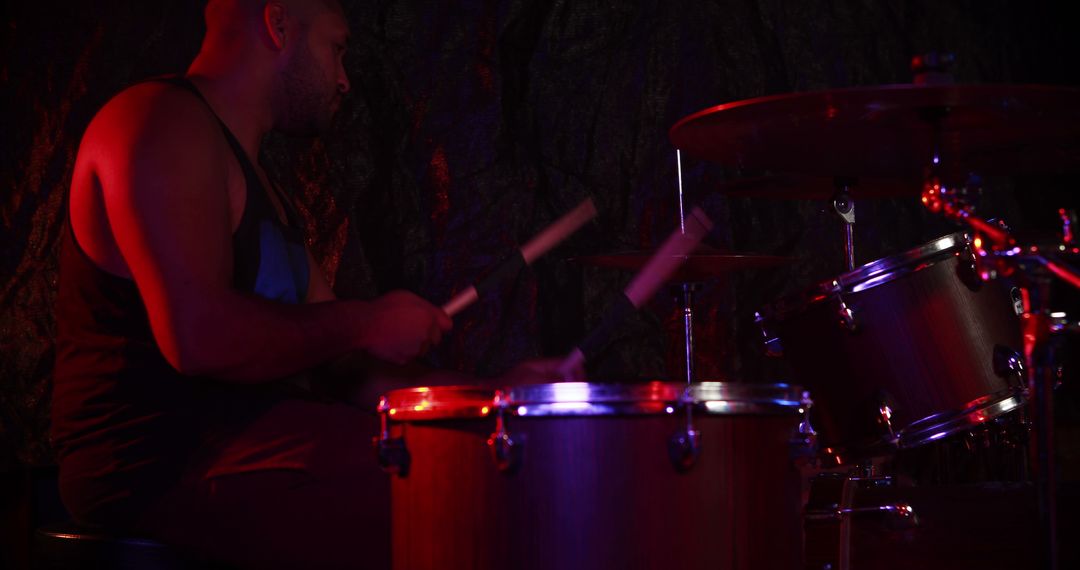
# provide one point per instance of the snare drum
(580, 475)
(901, 351)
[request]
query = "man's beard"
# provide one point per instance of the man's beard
(307, 112)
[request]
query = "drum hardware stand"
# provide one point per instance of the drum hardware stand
(862, 476)
(684, 445)
(505, 452)
(687, 298)
(844, 207)
(390, 452)
(1035, 263)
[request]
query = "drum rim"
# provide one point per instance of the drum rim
(930, 428)
(591, 399)
(657, 397)
(438, 402)
(870, 275)
(978, 412)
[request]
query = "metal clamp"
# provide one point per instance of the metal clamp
(1009, 364)
(390, 452)
(847, 313)
(845, 208)
(684, 446)
(505, 452)
(969, 270)
(804, 441)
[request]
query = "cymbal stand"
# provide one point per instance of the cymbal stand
(1035, 263)
(684, 445)
(687, 288)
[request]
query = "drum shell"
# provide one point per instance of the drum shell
(599, 492)
(924, 345)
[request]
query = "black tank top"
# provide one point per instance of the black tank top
(125, 423)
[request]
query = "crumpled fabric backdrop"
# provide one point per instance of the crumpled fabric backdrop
(473, 124)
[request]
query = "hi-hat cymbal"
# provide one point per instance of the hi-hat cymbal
(703, 263)
(890, 131)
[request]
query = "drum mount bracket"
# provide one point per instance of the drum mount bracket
(844, 207)
(684, 446)
(390, 452)
(505, 451)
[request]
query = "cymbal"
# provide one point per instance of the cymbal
(703, 263)
(889, 131)
(808, 187)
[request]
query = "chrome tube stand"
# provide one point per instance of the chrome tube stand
(684, 445)
(844, 511)
(688, 328)
(1035, 264)
(1039, 357)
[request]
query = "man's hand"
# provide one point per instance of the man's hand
(540, 371)
(401, 326)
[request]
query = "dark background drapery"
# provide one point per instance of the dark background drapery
(473, 124)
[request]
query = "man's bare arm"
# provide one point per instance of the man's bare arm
(162, 168)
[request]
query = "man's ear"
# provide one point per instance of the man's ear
(274, 17)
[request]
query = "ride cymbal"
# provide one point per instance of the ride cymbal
(892, 131)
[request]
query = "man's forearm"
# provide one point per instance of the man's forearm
(250, 340)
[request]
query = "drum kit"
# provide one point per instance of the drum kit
(931, 348)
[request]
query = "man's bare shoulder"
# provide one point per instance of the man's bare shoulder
(149, 116)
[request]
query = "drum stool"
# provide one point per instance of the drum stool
(70, 546)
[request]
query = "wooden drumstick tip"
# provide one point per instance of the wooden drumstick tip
(558, 231)
(698, 215)
(460, 301)
(668, 258)
(539, 245)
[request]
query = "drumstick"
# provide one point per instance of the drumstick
(643, 286)
(548, 238)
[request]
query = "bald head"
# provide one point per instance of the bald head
(286, 53)
(234, 15)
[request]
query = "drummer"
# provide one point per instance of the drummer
(188, 304)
